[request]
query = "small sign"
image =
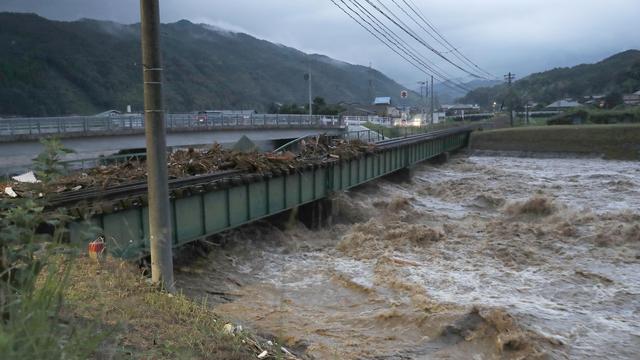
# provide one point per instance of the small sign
(404, 94)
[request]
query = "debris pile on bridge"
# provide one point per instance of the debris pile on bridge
(191, 162)
(319, 148)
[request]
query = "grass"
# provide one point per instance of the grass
(58, 304)
(144, 323)
(31, 327)
(616, 141)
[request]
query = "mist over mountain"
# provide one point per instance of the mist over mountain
(52, 68)
(449, 94)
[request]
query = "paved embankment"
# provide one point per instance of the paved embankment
(612, 141)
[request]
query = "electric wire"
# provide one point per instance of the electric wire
(452, 48)
(406, 47)
(419, 39)
(395, 47)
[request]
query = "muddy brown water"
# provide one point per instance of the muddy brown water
(480, 258)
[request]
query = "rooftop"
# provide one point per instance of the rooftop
(108, 113)
(565, 103)
(383, 100)
(460, 107)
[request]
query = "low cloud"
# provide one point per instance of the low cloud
(501, 35)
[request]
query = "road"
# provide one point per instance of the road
(17, 156)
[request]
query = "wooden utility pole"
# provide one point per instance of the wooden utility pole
(432, 99)
(423, 99)
(310, 100)
(509, 78)
(370, 89)
(155, 131)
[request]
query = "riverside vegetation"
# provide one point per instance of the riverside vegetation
(57, 304)
(616, 141)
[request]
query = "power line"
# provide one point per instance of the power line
(440, 38)
(391, 44)
(451, 48)
(398, 19)
(404, 46)
(392, 41)
(448, 49)
(376, 36)
(419, 39)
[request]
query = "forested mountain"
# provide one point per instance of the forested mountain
(617, 74)
(448, 94)
(87, 66)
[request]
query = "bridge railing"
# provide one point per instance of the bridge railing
(128, 122)
(360, 120)
(368, 136)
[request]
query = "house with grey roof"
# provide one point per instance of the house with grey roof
(382, 100)
(384, 107)
(632, 99)
(564, 104)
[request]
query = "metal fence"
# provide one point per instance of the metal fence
(128, 122)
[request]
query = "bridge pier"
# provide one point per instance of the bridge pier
(316, 214)
(404, 175)
(441, 158)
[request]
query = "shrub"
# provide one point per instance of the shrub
(595, 116)
(31, 282)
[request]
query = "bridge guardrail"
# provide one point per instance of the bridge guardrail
(361, 120)
(127, 122)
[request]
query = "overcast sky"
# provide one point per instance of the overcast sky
(522, 36)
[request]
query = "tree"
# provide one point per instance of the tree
(290, 109)
(319, 102)
(613, 99)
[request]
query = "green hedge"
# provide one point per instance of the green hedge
(617, 141)
(593, 116)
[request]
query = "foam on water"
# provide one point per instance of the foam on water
(402, 282)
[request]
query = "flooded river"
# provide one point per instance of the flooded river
(480, 258)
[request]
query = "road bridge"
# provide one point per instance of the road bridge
(23, 129)
(91, 137)
(206, 205)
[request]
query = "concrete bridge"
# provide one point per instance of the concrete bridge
(24, 129)
(209, 204)
(92, 137)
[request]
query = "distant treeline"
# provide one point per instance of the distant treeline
(614, 76)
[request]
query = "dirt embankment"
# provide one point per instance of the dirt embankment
(620, 142)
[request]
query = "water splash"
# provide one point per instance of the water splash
(445, 268)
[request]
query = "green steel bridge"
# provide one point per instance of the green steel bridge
(209, 204)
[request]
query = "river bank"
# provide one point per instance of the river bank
(483, 258)
(131, 319)
(620, 142)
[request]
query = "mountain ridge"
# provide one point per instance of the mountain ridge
(618, 73)
(50, 68)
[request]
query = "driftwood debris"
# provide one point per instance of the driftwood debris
(190, 162)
